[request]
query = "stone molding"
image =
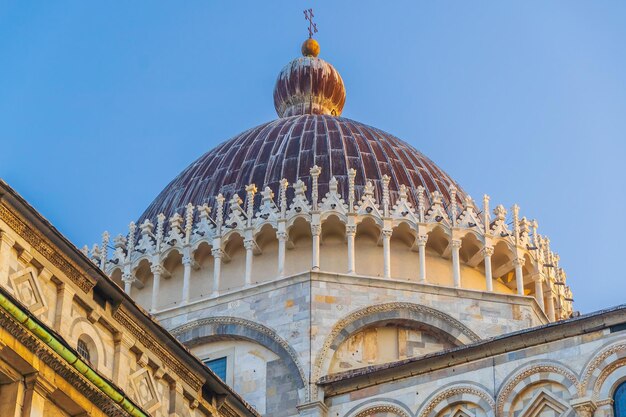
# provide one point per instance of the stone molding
(180, 331)
(599, 368)
(508, 390)
(464, 391)
(324, 355)
(39, 243)
(383, 408)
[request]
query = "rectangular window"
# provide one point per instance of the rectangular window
(218, 366)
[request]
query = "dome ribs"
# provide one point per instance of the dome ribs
(288, 148)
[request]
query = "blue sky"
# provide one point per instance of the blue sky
(103, 103)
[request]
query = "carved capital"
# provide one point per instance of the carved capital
(519, 262)
(584, 407)
(130, 278)
(456, 243)
(217, 253)
(350, 230)
(316, 229)
(487, 251)
(282, 236)
(421, 240)
(387, 233)
(249, 244)
(157, 269)
(187, 260)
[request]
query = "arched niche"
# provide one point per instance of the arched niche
(217, 329)
(429, 318)
(141, 291)
(171, 284)
(233, 263)
(333, 247)
(299, 247)
(201, 280)
(389, 341)
(368, 252)
(404, 257)
(265, 265)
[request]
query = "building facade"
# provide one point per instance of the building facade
(323, 267)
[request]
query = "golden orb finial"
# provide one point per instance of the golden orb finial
(310, 47)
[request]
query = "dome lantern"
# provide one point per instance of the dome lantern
(309, 85)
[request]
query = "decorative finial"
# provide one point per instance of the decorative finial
(310, 47)
(308, 15)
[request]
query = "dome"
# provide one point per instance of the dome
(309, 96)
(288, 148)
(309, 85)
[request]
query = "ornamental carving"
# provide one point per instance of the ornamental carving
(505, 393)
(40, 245)
(595, 364)
(460, 390)
(383, 409)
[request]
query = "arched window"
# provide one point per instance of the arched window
(83, 350)
(619, 399)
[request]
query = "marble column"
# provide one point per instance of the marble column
(488, 253)
(519, 274)
(282, 245)
(316, 231)
(421, 248)
(456, 263)
(350, 235)
(387, 253)
(217, 269)
(157, 271)
(249, 245)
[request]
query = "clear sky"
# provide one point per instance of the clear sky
(103, 103)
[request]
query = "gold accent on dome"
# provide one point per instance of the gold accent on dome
(310, 47)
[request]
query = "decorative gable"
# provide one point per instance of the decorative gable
(544, 404)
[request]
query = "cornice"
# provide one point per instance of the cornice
(37, 241)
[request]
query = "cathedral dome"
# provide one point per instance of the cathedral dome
(309, 96)
(288, 148)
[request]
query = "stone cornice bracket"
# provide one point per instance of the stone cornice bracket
(584, 407)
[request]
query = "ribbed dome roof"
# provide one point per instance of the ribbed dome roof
(288, 148)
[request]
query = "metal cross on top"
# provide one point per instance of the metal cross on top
(308, 15)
